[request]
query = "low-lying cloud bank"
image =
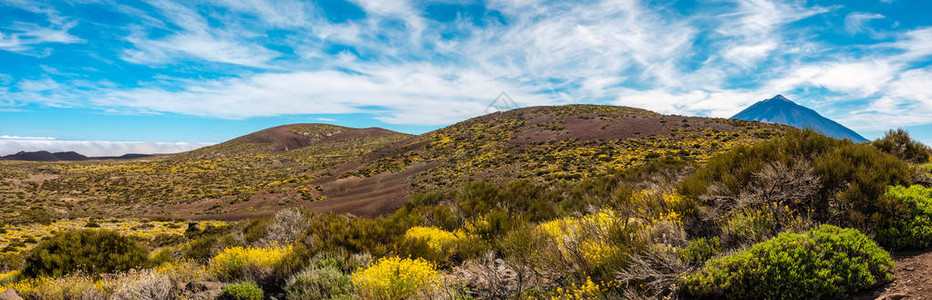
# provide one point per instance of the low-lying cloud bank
(11, 145)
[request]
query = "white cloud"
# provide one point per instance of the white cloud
(197, 39)
(13, 137)
(413, 94)
(23, 37)
(857, 22)
(94, 148)
(915, 44)
(286, 13)
(198, 46)
(906, 102)
(748, 55)
(721, 103)
(402, 9)
(754, 30)
(861, 78)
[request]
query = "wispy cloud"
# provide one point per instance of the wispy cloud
(196, 40)
(857, 22)
(393, 94)
(24, 37)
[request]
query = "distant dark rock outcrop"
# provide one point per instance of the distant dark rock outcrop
(46, 156)
(780, 110)
(64, 156)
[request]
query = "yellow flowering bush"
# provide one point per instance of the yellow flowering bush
(436, 238)
(8, 276)
(26, 286)
(395, 278)
(478, 226)
(182, 270)
(654, 206)
(247, 262)
(69, 287)
(587, 290)
(586, 235)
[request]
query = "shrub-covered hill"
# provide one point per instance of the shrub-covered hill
(369, 171)
(271, 161)
(560, 143)
(289, 137)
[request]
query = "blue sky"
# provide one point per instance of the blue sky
(90, 75)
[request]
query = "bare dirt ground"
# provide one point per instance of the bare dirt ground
(913, 278)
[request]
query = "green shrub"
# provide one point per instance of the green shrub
(256, 230)
(162, 256)
(331, 232)
(734, 169)
(749, 226)
(825, 262)
(241, 291)
(700, 250)
(901, 145)
(420, 248)
(202, 248)
(319, 283)
(857, 177)
(11, 261)
(852, 177)
(88, 251)
(915, 230)
(470, 247)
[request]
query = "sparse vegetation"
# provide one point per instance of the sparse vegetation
(690, 207)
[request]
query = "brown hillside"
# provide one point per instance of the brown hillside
(369, 171)
(537, 143)
(288, 137)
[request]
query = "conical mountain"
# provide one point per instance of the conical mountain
(780, 110)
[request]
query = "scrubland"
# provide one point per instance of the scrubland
(788, 215)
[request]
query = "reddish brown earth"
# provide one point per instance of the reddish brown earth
(284, 138)
(376, 195)
(913, 278)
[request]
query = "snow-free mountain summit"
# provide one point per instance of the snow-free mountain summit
(781, 110)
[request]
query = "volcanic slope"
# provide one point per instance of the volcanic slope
(265, 162)
(373, 171)
(289, 137)
(545, 144)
